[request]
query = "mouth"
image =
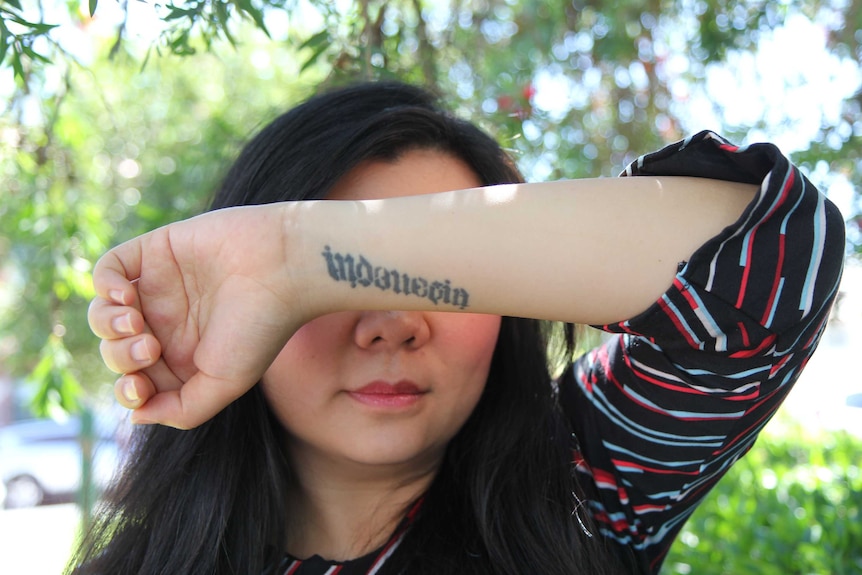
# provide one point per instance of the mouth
(384, 394)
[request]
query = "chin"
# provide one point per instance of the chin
(396, 454)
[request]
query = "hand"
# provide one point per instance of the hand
(193, 313)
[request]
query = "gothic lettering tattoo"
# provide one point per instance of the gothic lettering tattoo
(358, 271)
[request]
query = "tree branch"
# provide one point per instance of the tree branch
(427, 55)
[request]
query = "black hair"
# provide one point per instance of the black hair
(304, 152)
(213, 499)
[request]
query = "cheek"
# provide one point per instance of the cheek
(323, 337)
(305, 358)
(470, 346)
(477, 335)
(470, 342)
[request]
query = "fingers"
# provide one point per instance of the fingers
(127, 344)
(115, 272)
(194, 403)
(133, 390)
(109, 320)
(130, 354)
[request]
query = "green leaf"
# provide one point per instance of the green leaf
(35, 55)
(36, 28)
(255, 14)
(17, 67)
(147, 58)
(40, 28)
(180, 45)
(318, 43)
(4, 44)
(70, 391)
(321, 37)
(56, 385)
(177, 13)
(313, 58)
(93, 4)
(223, 21)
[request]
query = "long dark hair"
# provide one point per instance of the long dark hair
(213, 499)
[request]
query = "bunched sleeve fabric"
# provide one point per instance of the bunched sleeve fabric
(666, 406)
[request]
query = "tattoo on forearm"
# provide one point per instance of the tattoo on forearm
(358, 271)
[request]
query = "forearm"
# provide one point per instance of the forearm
(237, 283)
(586, 251)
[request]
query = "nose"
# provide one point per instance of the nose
(391, 330)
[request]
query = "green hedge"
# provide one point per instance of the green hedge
(793, 505)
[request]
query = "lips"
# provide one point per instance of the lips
(388, 395)
(384, 388)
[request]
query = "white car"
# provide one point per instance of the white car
(40, 461)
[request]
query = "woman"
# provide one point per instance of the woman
(332, 435)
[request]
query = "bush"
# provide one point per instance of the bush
(793, 505)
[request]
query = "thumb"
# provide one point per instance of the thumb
(200, 399)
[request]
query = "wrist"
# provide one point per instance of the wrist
(309, 227)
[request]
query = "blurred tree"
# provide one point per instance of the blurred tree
(111, 153)
(791, 506)
(102, 138)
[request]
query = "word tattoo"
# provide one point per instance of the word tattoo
(360, 272)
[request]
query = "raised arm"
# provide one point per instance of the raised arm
(587, 251)
(663, 410)
(197, 310)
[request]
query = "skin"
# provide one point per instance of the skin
(358, 458)
(193, 316)
(310, 383)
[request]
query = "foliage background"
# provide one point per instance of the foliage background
(791, 506)
(118, 117)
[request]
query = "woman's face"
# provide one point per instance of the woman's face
(384, 388)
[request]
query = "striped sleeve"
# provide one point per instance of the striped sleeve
(667, 405)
